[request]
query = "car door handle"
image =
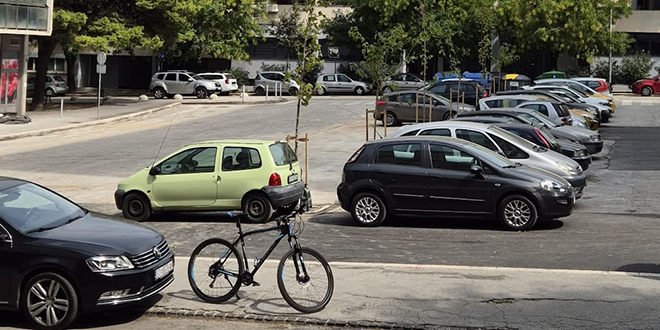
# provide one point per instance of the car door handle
(218, 179)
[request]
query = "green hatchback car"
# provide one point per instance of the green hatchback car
(255, 176)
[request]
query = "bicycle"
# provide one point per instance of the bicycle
(216, 260)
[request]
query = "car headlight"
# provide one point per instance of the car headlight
(553, 186)
(595, 138)
(580, 124)
(100, 264)
(566, 168)
(605, 103)
(579, 153)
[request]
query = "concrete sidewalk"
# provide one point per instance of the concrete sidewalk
(440, 297)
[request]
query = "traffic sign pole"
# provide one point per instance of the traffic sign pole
(100, 69)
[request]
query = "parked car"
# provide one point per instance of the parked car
(272, 80)
(554, 110)
(167, 84)
(55, 85)
(584, 119)
(340, 83)
(600, 85)
(414, 106)
(509, 145)
(470, 88)
(59, 260)
(506, 101)
(403, 82)
(227, 81)
(646, 87)
(255, 176)
(437, 176)
(578, 100)
(591, 140)
(577, 86)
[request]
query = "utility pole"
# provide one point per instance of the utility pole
(610, 59)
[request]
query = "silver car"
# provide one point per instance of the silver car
(271, 81)
(167, 84)
(55, 85)
(340, 83)
(403, 82)
(416, 106)
(505, 143)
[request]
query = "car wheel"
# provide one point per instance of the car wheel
(447, 116)
(359, 90)
(159, 92)
(387, 89)
(257, 208)
(50, 92)
(136, 207)
(260, 90)
(287, 209)
(647, 91)
(516, 212)
(368, 209)
(293, 91)
(321, 91)
(50, 302)
(391, 119)
(201, 93)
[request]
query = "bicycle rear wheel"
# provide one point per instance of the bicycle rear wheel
(214, 270)
(305, 280)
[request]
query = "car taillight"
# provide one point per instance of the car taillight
(563, 121)
(355, 155)
(227, 81)
(380, 103)
(542, 138)
(275, 180)
(485, 95)
(57, 85)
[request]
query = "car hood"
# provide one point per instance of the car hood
(99, 234)
(573, 133)
(572, 146)
(531, 173)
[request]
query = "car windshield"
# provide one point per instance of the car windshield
(512, 138)
(58, 78)
(547, 121)
(196, 77)
(486, 154)
(30, 208)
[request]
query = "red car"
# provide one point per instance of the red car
(600, 85)
(647, 87)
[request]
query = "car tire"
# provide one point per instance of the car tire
(287, 209)
(387, 89)
(447, 116)
(391, 119)
(50, 92)
(159, 93)
(368, 209)
(201, 93)
(321, 91)
(259, 90)
(293, 91)
(359, 90)
(647, 91)
(517, 212)
(257, 208)
(136, 207)
(53, 295)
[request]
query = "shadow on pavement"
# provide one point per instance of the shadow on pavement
(641, 268)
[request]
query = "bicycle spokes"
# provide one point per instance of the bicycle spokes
(305, 280)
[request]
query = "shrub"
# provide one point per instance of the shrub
(273, 67)
(602, 70)
(241, 76)
(635, 67)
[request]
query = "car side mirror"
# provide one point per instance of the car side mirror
(4, 237)
(476, 169)
(155, 170)
(190, 79)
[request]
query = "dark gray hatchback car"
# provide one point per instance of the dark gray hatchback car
(438, 176)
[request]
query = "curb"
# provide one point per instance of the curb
(91, 123)
(201, 313)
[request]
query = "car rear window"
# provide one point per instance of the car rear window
(229, 76)
(58, 78)
(282, 153)
(210, 76)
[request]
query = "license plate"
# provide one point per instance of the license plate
(164, 270)
(293, 178)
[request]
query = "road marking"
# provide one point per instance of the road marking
(626, 103)
(647, 103)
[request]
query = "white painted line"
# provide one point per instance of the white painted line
(647, 103)
(626, 103)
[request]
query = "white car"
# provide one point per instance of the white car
(227, 81)
(505, 101)
(555, 110)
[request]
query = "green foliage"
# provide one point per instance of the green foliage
(635, 67)
(352, 71)
(579, 71)
(241, 75)
(311, 76)
(602, 70)
(273, 67)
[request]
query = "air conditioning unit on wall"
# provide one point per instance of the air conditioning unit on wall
(272, 8)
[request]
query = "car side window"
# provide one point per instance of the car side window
(329, 78)
(184, 77)
(170, 77)
(406, 98)
(439, 89)
(436, 132)
(543, 109)
(511, 151)
(408, 154)
(529, 118)
(448, 158)
(239, 158)
(195, 160)
(49, 79)
(476, 137)
(411, 133)
(494, 103)
(411, 78)
(160, 76)
(343, 78)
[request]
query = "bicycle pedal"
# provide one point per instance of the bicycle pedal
(254, 283)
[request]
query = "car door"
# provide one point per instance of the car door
(239, 173)
(406, 107)
(330, 83)
(171, 80)
(398, 169)
(656, 85)
(452, 187)
(7, 265)
(186, 84)
(411, 82)
(344, 84)
(187, 179)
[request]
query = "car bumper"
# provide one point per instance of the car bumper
(578, 182)
(119, 198)
(594, 147)
(553, 206)
(342, 196)
(140, 283)
(284, 195)
(584, 161)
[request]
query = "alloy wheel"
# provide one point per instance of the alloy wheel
(48, 302)
(517, 213)
(367, 210)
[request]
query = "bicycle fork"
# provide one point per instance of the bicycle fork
(299, 264)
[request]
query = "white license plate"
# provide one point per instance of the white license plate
(164, 270)
(293, 178)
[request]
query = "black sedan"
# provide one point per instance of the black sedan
(441, 176)
(58, 260)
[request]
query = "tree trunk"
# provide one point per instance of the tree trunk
(70, 70)
(46, 47)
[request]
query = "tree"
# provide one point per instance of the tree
(579, 28)
(286, 31)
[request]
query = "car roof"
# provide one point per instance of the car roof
(515, 125)
(235, 142)
(448, 124)
(419, 138)
(8, 182)
(509, 96)
(492, 119)
(588, 78)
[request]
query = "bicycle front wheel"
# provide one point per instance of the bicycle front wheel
(305, 280)
(214, 270)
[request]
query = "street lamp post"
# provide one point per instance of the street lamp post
(610, 59)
